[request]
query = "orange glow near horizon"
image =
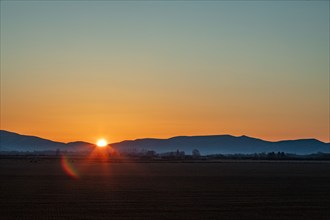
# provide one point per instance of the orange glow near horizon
(100, 154)
(101, 143)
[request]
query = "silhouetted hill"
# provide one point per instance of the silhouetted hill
(213, 144)
(222, 144)
(10, 141)
(80, 146)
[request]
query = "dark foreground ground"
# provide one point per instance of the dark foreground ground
(223, 190)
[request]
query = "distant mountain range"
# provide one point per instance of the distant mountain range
(212, 144)
(224, 144)
(10, 141)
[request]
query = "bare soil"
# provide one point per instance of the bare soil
(41, 189)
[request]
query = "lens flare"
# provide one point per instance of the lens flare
(68, 168)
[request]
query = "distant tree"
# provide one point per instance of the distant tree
(179, 153)
(271, 155)
(151, 153)
(280, 155)
(58, 152)
(196, 153)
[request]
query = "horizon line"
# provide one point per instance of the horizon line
(204, 135)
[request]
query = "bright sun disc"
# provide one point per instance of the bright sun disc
(101, 143)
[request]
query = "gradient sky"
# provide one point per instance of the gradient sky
(81, 70)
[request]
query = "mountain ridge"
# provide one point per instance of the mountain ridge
(11, 141)
(225, 144)
(206, 144)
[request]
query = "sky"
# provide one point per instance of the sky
(81, 70)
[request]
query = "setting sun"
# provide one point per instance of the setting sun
(101, 143)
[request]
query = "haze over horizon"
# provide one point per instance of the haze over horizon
(82, 70)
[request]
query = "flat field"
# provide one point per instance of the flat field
(81, 189)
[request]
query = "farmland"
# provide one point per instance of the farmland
(42, 189)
